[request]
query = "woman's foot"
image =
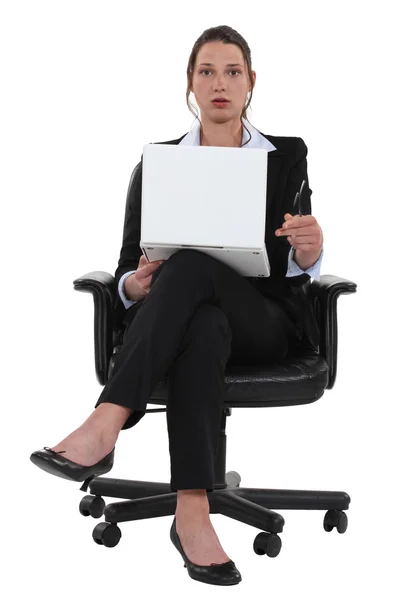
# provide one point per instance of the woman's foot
(96, 437)
(195, 530)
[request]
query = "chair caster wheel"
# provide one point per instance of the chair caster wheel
(92, 506)
(106, 534)
(335, 518)
(233, 479)
(267, 543)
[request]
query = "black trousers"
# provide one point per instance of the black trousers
(198, 315)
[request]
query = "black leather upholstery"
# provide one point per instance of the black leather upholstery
(298, 380)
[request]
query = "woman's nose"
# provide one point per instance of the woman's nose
(220, 83)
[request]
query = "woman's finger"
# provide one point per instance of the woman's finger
(143, 261)
(149, 268)
(309, 230)
(308, 239)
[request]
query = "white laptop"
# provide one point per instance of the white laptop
(208, 198)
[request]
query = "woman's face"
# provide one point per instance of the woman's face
(223, 75)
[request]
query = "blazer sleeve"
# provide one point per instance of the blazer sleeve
(130, 251)
(297, 172)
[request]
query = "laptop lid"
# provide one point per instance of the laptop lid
(204, 196)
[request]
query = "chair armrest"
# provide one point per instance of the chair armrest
(101, 285)
(324, 294)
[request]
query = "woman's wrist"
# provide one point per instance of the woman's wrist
(132, 289)
(306, 259)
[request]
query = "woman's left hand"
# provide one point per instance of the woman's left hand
(303, 232)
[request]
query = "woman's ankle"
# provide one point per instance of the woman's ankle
(110, 417)
(191, 495)
(192, 501)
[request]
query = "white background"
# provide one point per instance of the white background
(84, 85)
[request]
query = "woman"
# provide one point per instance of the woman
(196, 314)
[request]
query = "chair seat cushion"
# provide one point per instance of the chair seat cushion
(300, 380)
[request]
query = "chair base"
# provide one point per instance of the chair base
(253, 506)
(147, 499)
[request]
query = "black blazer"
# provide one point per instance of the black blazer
(287, 167)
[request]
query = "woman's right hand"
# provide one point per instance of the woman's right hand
(137, 285)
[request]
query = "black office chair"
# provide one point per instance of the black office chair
(298, 380)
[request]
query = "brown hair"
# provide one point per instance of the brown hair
(227, 35)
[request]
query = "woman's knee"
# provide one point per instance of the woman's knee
(190, 259)
(181, 262)
(186, 265)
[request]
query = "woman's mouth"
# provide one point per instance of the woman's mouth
(220, 103)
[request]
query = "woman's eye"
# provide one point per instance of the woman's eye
(208, 70)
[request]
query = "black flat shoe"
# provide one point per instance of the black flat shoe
(223, 574)
(51, 461)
